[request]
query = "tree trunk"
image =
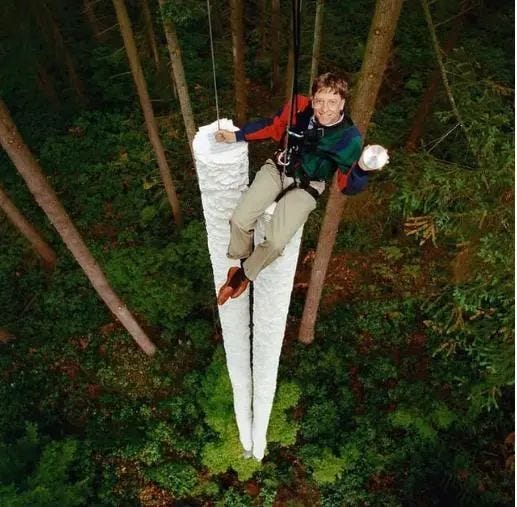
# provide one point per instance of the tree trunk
(376, 56)
(417, 127)
(42, 248)
(239, 72)
(97, 30)
(73, 76)
(6, 336)
(318, 25)
(149, 31)
(46, 84)
(45, 196)
(178, 75)
(147, 108)
(263, 19)
(275, 46)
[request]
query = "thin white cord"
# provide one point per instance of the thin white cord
(441, 138)
(213, 63)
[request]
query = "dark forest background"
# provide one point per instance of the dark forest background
(406, 395)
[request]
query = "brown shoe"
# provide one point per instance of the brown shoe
(242, 287)
(235, 285)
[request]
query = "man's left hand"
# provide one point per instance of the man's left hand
(225, 136)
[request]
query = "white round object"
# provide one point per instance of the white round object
(374, 157)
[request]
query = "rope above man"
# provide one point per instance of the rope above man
(316, 138)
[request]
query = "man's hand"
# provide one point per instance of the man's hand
(225, 136)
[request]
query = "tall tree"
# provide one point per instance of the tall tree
(377, 52)
(48, 20)
(41, 247)
(239, 70)
(31, 172)
(178, 74)
(93, 21)
(418, 123)
(149, 33)
(316, 45)
(147, 108)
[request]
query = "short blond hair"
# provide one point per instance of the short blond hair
(330, 81)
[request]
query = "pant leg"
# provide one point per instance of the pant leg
(263, 191)
(290, 214)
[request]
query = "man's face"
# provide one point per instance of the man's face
(327, 106)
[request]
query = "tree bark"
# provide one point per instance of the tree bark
(45, 196)
(378, 48)
(178, 75)
(94, 23)
(318, 25)
(275, 46)
(150, 35)
(239, 71)
(42, 248)
(423, 110)
(73, 76)
(147, 108)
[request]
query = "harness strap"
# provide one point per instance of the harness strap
(304, 184)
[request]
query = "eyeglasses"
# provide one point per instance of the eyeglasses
(331, 103)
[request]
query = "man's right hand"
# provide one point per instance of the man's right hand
(225, 136)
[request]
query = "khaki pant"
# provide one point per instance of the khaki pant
(290, 214)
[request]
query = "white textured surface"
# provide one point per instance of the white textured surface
(223, 175)
(222, 171)
(271, 298)
(373, 157)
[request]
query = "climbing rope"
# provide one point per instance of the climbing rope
(284, 158)
(213, 63)
(296, 11)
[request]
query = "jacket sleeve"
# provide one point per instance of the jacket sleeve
(356, 181)
(271, 128)
(351, 179)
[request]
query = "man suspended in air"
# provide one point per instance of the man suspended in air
(319, 139)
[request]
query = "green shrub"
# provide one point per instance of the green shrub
(43, 473)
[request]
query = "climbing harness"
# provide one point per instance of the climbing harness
(290, 145)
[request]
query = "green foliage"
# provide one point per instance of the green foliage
(407, 391)
(39, 472)
(217, 401)
(234, 498)
(183, 284)
(177, 478)
(281, 430)
(327, 467)
(468, 208)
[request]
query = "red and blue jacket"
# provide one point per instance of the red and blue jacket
(338, 148)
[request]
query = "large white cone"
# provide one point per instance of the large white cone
(271, 298)
(223, 175)
(222, 171)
